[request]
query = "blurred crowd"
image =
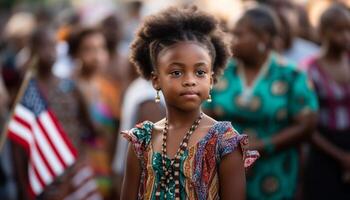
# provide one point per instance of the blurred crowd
(79, 53)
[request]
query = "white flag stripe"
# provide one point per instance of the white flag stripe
(33, 180)
(49, 155)
(94, 196)
(45, 148)
(44, 173)
(21, 131)
(24, 113)
(56, 138)
(82, 175)
(86, 189)
(44, 145)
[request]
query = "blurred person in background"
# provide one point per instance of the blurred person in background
(117, 71)
(68, 21)
(88, 48)
(328, 169)
(265, 97)
(295, 26)
(66, 102)
(7, 182)
(16, 54)
(132, 19)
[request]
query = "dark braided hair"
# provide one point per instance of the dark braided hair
(175, 25)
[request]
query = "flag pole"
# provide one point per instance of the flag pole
(25, 82)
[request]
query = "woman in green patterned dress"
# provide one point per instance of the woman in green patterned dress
(268, 99)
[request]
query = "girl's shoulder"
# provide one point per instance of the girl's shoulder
(222, 128)
(229, 140)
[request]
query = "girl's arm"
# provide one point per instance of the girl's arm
(232, 177)
(132, 175)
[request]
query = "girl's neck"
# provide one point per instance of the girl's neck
(179, 118)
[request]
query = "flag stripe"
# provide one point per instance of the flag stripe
(35, 128)
(44, 160)
(24, 113)
(44, 142)
(20, 140)
(21, 131)
(56, 138)
(64, 136)
(44, 173)
(24, 133)
(47, 149)
(55, 151)
(35, 184)
(23, 122)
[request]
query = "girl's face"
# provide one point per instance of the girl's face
(184, 74)
(93, 52)
(338, 35)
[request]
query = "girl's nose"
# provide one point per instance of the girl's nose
(189, 81)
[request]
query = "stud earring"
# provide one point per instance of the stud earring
(157, 97)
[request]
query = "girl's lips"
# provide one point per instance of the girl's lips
(189, 93)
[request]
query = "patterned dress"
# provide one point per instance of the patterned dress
(279, 94)
(324, 175)
(199, 163)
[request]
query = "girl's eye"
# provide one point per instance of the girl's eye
(176, 73)
(200, 73)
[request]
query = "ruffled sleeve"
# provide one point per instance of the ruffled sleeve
(228, 142)
(139, 137)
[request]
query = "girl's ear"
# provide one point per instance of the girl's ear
(155, 80)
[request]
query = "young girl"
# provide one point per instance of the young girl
(187, 155)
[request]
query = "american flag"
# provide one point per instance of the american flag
(36, 128)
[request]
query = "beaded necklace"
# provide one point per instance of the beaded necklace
(173, 171)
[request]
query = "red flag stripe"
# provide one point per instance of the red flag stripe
(27, 129)
(57, 154)
(35, 128)
(41, 140)
(57, 137)
(23, 122)
(62, 133)
(35, 185)
(20, 140)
